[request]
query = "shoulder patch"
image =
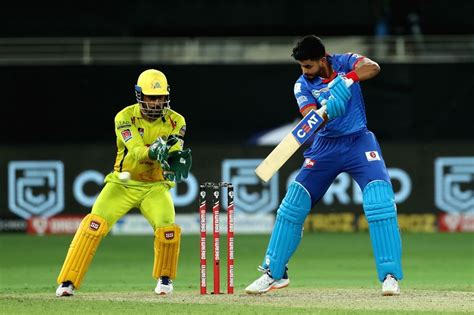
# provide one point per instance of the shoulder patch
(126, 134)
(297, 88)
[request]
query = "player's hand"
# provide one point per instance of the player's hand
(334, 107)
(179, 165)
(339, 89)
(159, 150)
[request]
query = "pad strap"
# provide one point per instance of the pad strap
(82, 249)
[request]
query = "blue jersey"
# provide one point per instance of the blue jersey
(307, 91)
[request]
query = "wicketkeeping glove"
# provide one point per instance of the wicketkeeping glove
(159, 150)
(179, 165)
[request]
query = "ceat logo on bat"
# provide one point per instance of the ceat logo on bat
(307, 126)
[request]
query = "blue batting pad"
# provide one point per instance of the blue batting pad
(381, 214)
(288, 229)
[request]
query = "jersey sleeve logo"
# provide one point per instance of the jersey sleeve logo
(126, 134)
(300, 100)
(297, 88)
(182, 131)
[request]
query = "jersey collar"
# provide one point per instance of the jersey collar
(334, 72)
(327, 80)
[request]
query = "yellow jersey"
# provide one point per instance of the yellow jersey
(135, 134)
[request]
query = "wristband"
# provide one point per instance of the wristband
(353, 75)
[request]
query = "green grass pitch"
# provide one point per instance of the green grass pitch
(330, 274)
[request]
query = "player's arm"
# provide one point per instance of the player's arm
(306, 101)
(179, 161)
(161, 149)
(365, 69)
(128, 134)
(359, 68)
(179, 131)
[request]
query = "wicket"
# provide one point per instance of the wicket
(215, 188)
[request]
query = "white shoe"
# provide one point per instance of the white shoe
(65, 289)
(266, 283)
(390, 286)
(164, 286)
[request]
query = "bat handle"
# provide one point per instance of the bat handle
(322, 110)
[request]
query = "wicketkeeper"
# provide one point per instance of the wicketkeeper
(150, 159)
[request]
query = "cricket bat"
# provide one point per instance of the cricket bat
(291, 143)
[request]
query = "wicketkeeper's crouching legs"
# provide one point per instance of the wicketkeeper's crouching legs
(82, 249)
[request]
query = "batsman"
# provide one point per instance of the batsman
(150, 160)
(344, 144)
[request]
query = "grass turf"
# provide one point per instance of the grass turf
(327, 267)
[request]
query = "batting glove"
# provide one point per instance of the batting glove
(339, 89)
(334, 107)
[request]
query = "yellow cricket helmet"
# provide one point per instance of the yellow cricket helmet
(152, 82)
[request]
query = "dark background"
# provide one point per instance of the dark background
(230, 18)
(227, 103)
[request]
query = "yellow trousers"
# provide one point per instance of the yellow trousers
(154, 202)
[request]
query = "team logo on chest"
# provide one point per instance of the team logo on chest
(141, 131)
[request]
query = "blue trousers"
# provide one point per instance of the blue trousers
(358, 154)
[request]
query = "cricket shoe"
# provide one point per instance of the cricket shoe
(266, 283)
(65, 289)
(164, 286)
(390, 286)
